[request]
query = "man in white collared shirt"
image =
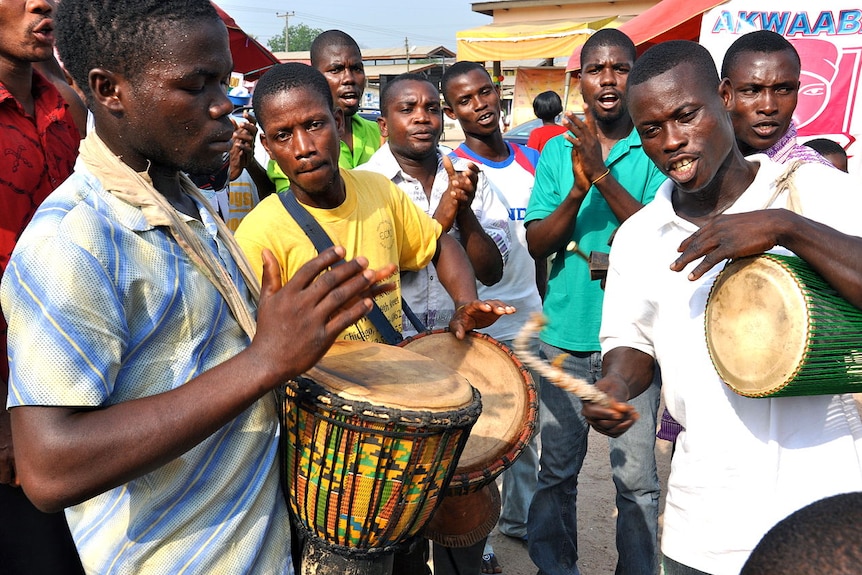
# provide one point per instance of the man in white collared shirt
(449, 189)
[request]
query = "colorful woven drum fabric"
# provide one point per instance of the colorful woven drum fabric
(363, 477)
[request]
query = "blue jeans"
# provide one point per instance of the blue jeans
(552, 525)
(519, 483)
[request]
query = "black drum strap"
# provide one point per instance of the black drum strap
(321, 241)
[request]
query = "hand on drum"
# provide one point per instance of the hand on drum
(615, 419)
(298, 322)
(731, 236)
(476, 315)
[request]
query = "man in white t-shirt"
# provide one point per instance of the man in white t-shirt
(511, 169)
(741, 464)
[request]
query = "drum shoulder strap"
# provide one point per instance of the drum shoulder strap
(785, 182)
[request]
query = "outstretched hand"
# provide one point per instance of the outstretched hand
(477, 314)
(298, 322)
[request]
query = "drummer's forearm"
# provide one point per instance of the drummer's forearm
(835, 256)
(455, 272)
(65, 456)
(630, 369)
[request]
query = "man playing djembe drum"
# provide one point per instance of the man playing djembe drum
(741, 464)
(362, 209)
(141, 364)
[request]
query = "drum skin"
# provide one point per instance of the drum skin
(509, 402)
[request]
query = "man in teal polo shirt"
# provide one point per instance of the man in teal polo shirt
(336, 54)
(588, 181)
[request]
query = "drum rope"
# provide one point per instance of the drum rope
(553, 371)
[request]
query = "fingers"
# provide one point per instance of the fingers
(447, 165)
(612, 420)
(271, 281)
(308, 272)
(589, 120)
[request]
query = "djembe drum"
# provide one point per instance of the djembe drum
(774, 327)
(370, 439)
(471, 505)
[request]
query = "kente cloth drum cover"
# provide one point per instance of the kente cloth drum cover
(774, 327)
(370, 438)
(509, 402)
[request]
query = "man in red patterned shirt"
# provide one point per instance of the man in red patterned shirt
(38, 147)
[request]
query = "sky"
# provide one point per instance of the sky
(372, 23)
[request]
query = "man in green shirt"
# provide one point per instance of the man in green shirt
(337, 56)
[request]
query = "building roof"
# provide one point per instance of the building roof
(376, 54)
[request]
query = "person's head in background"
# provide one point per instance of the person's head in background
(472, 98)
(411, 117)
(547, 106)
(760, 77)
(831, 150)
(823, 538)
(606, 60)
(336, 55)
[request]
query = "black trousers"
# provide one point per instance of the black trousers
(32, 542)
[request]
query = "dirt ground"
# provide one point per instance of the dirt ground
(596, 515)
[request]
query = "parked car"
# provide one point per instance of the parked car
(370, 114)
(521, 133)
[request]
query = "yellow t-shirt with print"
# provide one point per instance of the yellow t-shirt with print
(385, 227)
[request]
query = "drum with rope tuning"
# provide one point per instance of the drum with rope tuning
(370, 440)
(774, 328)
(510, 409)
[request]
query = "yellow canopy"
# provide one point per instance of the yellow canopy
(541, 39)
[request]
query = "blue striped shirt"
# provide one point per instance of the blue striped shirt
(104, 308)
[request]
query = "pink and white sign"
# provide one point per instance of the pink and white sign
(829, 41)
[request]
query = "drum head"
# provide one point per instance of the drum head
(390, 376)
(509, 400)
(757, 325)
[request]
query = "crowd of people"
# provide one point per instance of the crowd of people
(159, 283)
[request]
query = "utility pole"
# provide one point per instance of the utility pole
(407, 52)
(286, 17)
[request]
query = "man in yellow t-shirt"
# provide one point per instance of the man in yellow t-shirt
(363, 212)
(336, 55)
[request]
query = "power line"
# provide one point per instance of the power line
(341, 24)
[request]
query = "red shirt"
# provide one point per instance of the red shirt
(36, 155)
(539, 136)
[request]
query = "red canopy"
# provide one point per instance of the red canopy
(250, 57)
(667, 20)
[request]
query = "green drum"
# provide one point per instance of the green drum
(774, 327)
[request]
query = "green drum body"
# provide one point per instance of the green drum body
(774, 327)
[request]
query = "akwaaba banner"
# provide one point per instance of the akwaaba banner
(828, 36)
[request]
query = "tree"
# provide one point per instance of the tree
(300, 37)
